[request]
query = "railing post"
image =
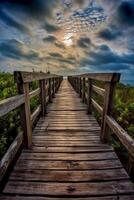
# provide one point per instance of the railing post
(43, 96)
(25, 114)
(50, 90)
(83, 90)
(80, 92)
(108, 104)
(89, 96)
(53, 87)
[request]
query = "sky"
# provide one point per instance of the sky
(68, 36)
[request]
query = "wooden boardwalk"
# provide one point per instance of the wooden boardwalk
(67, 159)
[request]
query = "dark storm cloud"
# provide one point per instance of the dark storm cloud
(105, 57)
(50, 39)
(126, 12)
(59, 57)
(84, 42)
(16, 50)
(110, 33)
(56, 55)
(50, 28)
(35, 8)
(10, 21)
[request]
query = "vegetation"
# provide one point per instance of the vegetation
(10, 124)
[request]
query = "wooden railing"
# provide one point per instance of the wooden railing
(84, 86)
(48, 86)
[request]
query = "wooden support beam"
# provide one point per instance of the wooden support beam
(83, 89)
(25, 114)
(80, 87)
(50, 90)
(53, 87)
(89, 96)
(43, 97)
(107, 107)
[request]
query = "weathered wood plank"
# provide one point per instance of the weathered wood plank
(69, 189)
(10, 104)
(123, 136)
(10, 154)
(124, 197)
(68, 164)
(98, 90)
(106, 77)
(27, 77)
(97, 106)
(68, 176)
(84, 149)
(69, 156)
(35, 93)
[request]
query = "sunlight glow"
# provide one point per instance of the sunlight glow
(68, 39)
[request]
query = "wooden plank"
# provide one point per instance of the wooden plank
(97, 106)
(69, 189)
(64, 133)
(27, 77)
(68, 176)
(123, 136)
(107, 108)
(68, 164)
(115, 197)
(69, 156)
(43, 97)
(25, 115)
(10, 104)
(34, 93)
(106, 77)
(10, 154)
(63, 137)
(83, 149)
(65, 143)
(98, 90)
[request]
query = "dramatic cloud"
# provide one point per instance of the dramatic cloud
(50, 39)
(17, 50)
(56, 55)
(50, 28)
(126, 12)
(68, 36)
(110, 33)
(10, 21)
(105, 57)
(84, 42)
(37, 9)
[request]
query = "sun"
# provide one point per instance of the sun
(68, 39)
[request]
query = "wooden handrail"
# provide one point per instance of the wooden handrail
(27, 77)
(46, 90)
(105, 77)
(110, 80)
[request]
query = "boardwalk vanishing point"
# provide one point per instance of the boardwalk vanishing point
(65, 156)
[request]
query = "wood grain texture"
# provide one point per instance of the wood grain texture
(67, 160)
